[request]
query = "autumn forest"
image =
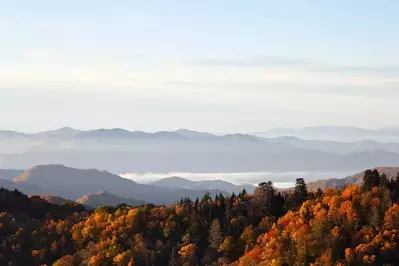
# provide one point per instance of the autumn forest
(350, 226)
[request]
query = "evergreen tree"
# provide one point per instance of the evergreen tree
(206, 198)
(368, 180)
(301, 191)
(278, 203)
(395, 189)
(383, 181)
(376, 179)
(263, 197)
(371, 179)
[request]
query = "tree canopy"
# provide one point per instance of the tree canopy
(348, 226)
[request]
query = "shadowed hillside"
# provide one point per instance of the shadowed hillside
(71, 183)
(104, 198)
(356, 179)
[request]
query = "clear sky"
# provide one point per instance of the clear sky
(221, 66)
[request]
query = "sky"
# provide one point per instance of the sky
(219, 66)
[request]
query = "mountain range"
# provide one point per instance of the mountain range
(72, 184)
(104, 198)
(59, 184)
(119, 150)
(335, 133)
(178, 182)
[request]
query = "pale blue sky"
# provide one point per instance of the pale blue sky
(218, 66)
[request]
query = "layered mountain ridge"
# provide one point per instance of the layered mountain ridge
(120, 150)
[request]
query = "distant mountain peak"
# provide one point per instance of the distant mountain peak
(287, 138)
(193, 134)
(66, 129)
(61, 131)
(105, 198)
(179, 182)
(240, 137)
(174, 181)
(11, 133)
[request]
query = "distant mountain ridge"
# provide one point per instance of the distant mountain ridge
(174, 181)
(53, 199)
(356, 179)
(59, 184)
(178, 182)
(71, 183)
(336, 147)
(335, 133)
(30, 189)
(119, 150)
(326, 131)
(104, 198)
(9, 174)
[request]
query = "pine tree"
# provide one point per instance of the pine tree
(207, 197)
(395, 189)
(367, 180)
(263, 196)
(376, 179)
(383, 181)
(278, 203)
(371, 179)
(301, 191)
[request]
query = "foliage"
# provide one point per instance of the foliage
(350, 226)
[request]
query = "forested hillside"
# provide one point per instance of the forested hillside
(348, 226)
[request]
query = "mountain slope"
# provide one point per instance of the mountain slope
(29, 189)
(190, 134)
(174, 182)
(58, 133)
(223, 185)
(125, 134)
(178, 182)
(104, 198)
(71, 183)
(9, 174)
(53, 199)
(356, 179)
(335, 133)
(336, 147)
